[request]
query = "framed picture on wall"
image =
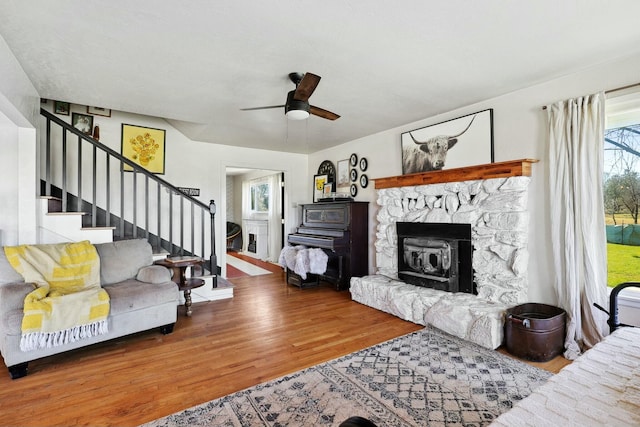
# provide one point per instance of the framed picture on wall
(82, 122)
(318, 186)
(328, 189)
(60, 107)
(144, 146)
(98, 111)
(343, 182)
(464, 141)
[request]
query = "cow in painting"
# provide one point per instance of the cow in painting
(429, 155)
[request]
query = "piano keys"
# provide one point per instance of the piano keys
(341, 229)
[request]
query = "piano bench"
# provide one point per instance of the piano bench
(295, 280)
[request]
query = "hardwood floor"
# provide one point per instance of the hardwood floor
(267, 330)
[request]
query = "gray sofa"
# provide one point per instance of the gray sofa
(142, 297)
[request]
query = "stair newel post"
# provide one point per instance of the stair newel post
(64, 172)
(213, 260)
(47, 174)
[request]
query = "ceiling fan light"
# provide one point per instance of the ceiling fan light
(297, 114)
(295, 109)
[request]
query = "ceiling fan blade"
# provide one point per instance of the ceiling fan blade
(320, 112)
(262, 108)
(306, 87)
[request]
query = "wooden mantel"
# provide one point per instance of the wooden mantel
(488, 171)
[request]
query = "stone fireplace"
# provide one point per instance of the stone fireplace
(495, 208)
(492, 200)
(435, 255)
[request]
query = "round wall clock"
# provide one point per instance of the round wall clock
(353, 160)
(354, 175)
(364, 181)
(363, 164)
(327, 168)
(354, 190)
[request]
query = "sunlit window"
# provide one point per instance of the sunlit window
(622, 188)
(260, 196)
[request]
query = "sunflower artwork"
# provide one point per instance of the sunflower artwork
(318, 186)
(144, 146)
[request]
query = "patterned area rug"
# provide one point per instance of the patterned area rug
(424, 378)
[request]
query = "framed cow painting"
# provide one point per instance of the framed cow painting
(456, 143)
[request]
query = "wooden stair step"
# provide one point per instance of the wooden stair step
(54, 204)
(98, 228)
(67, 213)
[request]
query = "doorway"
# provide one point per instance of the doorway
(255, 219)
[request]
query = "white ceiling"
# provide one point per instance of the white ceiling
(383, 64)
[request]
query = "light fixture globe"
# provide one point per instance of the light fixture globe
(295, 109)
(297, 114)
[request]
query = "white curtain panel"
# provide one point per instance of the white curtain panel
(246, 212)
(576, 138)
(275, 216)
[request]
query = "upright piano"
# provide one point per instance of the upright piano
(341, 229)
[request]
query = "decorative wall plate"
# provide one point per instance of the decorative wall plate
(364, 181)
(354, 175)
(354, 190)
(327, 168)
(353, 160)
(363, 164)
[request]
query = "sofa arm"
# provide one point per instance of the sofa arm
(12, 295)
(154, 274)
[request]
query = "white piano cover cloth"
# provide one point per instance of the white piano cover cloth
(302, 260)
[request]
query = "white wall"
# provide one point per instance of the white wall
(19, 101)
(19, 104)
(237, 201)
(9, 182)
(519, 132)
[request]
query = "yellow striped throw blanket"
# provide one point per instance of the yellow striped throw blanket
(68, 303)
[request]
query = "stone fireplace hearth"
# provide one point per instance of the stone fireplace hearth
(496, 208)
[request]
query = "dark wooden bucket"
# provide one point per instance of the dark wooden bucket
(535, 331)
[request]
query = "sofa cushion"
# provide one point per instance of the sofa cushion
(126, 296)
(12, 295)
(12, 322)
(122, 259)
(11, 301)
(154, 274)
(7, 273)
(132, 295)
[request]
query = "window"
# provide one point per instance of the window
(621, 190)
(260, 196)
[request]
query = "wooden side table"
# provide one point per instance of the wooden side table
(179, 265)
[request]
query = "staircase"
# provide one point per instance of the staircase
(86, 194)
(56, 225)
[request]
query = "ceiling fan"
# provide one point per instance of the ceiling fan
(297, 106)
